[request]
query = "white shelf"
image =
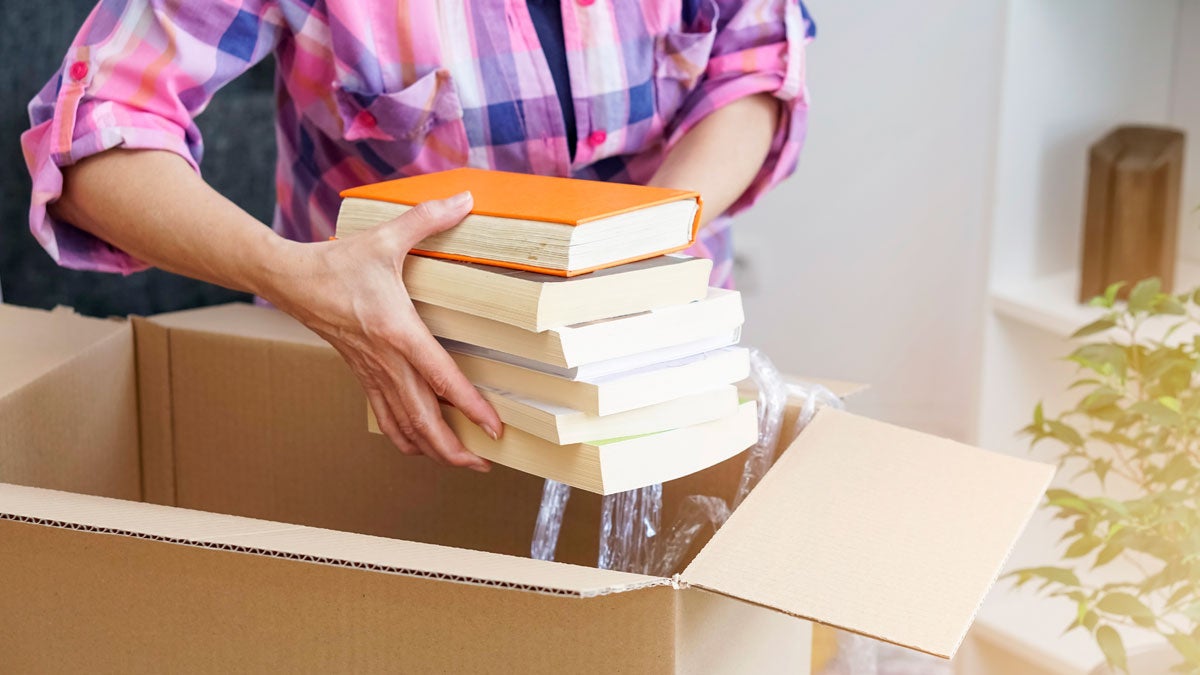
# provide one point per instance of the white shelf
(1050, 303)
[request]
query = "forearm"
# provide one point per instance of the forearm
(152, 205)
(350, 292)
(721, 155)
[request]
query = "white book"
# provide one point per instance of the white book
(562, 425)
(595, 341)
(619, 464)
(536, 302)
(591, 371)
(614, 393)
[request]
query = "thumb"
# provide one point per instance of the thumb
(431, 217)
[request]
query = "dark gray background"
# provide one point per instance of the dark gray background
(238, 161)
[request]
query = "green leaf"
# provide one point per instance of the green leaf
(1112, 646)
(1108, 413)
(1106, 359)
(1065, 499)
(1112, 505)
(1124, 604)
(1196, 296)
(1169, 305)
(1108, 553)
(1157, 412)
(1082, 547)
(1110, 294)
(1177, 468)
(1097, 326)
(1039, 417)
(1088, 380)
(1143, 295)
(1064, 433)
(1170, 402)
(1114, 438)
(1058, 575)
(1101, 398)
(1181, 593)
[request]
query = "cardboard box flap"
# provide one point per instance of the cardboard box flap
(242, 320)
(875, 529)
(343, 549)
(34, 342)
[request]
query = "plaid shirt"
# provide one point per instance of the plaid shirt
(369, 90)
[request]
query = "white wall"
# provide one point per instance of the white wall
(1073, 70)
(869, 263)
(1185, 114)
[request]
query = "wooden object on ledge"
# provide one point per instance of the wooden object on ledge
(1132, 209)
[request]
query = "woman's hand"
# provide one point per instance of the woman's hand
(350, 293)
(151, 204)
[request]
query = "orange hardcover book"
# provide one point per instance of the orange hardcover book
(546, 224)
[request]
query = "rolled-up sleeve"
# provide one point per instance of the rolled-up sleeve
(758, 49)
(135, 77)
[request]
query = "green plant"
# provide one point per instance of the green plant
(1137, 422)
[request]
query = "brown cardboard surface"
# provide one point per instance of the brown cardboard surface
(259, 537)
(875, 529)
(243, 320)
(96, 602)
(716, 634)
(34, 342)
(68, 416)
(861, 525)
(272, 427)
(151, 342)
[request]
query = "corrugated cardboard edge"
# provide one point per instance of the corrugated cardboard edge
(110, 517)
(153, 347)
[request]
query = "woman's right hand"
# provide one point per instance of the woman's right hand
(351, 293)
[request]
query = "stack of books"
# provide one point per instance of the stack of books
(609, 359)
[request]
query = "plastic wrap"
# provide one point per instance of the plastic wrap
(629, 523)
(698, 512)
(695, 513)
(631, 538)
(814, 397)
(549, 519)
(629, 528)
(858, 655)
(772, 401)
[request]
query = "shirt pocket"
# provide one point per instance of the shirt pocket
(680, 59)
(416, 129)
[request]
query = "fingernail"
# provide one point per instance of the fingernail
(493, 432)
(483, 467)
(460, 199)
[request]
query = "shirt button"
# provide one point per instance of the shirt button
(78, 70)
(365, 120)
(597, 137)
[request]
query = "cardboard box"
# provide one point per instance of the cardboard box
(276, 532)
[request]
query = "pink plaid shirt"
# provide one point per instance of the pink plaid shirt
(369, 90)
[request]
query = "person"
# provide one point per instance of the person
(705, 95)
